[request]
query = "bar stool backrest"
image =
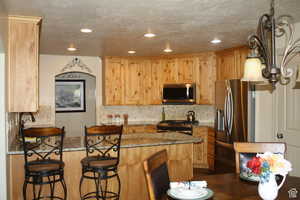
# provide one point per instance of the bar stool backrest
(103, 141)
(42, 144)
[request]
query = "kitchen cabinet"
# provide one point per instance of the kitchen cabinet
(113, 76)
(230, 63)
(206, 77)
(204, 153)
(139, 81)
(170, 70)
(133, 82)
(152, 82)
(140, 129)
(22, 62)
(186, 69)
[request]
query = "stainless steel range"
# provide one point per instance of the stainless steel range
(182, 126)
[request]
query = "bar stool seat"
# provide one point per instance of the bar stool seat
(98, 162)
(45, 167)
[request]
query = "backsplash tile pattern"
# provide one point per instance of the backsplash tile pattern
(204, 113)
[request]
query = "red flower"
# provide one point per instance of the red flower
(255, 165)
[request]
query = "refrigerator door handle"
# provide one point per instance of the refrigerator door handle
(230, 108)
(225, 115)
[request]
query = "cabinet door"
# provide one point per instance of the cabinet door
(240, 58)
(153, 85)
(200, 149)
(114, 81)
(226, 65)
(206, 77)
(23, 42)
(170, 72)
(186, 70)
(134, 82)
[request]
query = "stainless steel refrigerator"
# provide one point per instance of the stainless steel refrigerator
(234, 119)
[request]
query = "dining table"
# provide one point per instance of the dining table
(231, 187)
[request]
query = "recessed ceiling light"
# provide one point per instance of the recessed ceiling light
(168, 50)
(216, 41)
(72, 49)
(131, 52)
(149, 35)
(86, 30)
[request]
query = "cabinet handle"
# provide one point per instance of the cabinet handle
(279, 135)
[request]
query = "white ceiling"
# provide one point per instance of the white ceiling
(119, 25)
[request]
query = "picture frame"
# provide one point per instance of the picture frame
(70, 96)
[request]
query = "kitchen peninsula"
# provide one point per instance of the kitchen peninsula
(134, 149)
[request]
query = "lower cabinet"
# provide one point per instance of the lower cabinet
(140, 129)
(204, 153)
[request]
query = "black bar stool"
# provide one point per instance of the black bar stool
(101, 162)
(43, 161)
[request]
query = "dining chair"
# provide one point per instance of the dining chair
(157, 176)
(255, 147)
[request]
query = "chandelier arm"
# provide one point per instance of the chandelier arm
(263, 23)
(255, 42)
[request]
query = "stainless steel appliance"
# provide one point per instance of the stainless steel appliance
(234, 116)
(182, 126)
(179, 94)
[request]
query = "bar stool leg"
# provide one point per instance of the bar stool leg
(119, 186)
(63, 183)
(24, 189)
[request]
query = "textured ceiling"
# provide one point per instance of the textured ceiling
(119, 25)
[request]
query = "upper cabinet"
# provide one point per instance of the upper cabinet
(22, 60)
(113, 76)
(230, 63)
(139, 81)
(186, 69)
(206, 77)
(134, 82)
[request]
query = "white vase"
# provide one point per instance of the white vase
(269, 190)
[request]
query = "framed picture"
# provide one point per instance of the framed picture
(70, 95)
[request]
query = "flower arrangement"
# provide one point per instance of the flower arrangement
(265, 164)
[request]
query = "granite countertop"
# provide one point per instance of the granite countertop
(128, 141)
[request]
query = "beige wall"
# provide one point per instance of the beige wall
(74, 122)
(50, 66)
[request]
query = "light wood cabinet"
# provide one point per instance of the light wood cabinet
(204, 153)
(139, 81)
(152, 82)
(133, 82)
(206, 77)
(113, 76)
(186, 69)
(140, 129)
(170, 70)
(22, 60)
(230, 63)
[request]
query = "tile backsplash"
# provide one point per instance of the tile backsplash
(204, 113)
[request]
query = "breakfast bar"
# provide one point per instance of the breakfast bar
(135, 148)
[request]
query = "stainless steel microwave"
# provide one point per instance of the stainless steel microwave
(179, 93)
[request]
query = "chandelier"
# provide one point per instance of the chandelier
(261, 64)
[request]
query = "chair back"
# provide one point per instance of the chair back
(157, 176)
(256, 147)
(46, 144)
(103, 141)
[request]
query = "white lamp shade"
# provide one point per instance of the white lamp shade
(253, 70)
